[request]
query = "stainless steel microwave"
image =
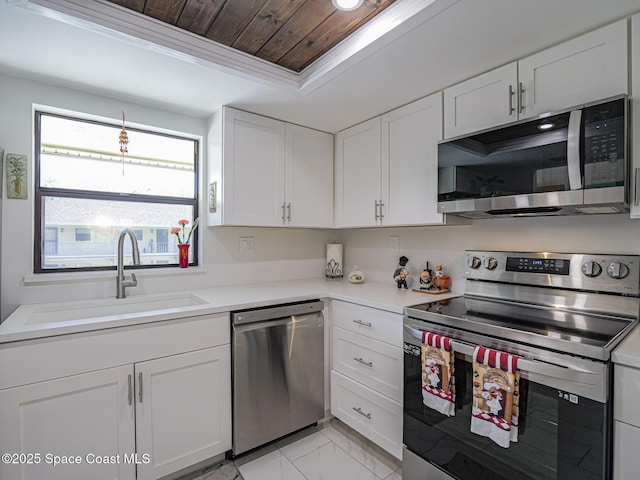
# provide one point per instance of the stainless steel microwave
(570, 162)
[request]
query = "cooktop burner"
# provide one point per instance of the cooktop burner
(579, 304)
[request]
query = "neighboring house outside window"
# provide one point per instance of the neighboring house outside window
(86, 193)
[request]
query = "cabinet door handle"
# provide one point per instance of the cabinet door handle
(359, 410)
(511, 95)
(520, 97)
(635, 187)
(360, 322)
(283, 207)
(289, 212)
(140, 387)
(376, 209)
(130, 386)
(381, 205)
(360, 360)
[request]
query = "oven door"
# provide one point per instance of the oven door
(564, 426)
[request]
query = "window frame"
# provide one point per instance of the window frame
(41, 192)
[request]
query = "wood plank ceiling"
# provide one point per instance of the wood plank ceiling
(289, 33)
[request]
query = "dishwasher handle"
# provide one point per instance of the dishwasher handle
(276, 312)
(298, 320)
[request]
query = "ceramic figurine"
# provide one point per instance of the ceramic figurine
(356, 276)
(426, 278)
(401, 273)
(440, 280)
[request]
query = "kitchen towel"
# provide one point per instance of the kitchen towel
(438, 373)
(496, 396)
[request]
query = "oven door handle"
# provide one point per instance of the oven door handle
(531, 366)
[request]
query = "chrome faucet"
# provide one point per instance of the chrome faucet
(122, 281)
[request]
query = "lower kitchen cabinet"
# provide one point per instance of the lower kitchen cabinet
(140, 421)
(138, 402)
(373, 415)
(626, 427)
(366, 372)
(182, 410)
(69, 419)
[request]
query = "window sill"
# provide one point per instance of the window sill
(81, 277)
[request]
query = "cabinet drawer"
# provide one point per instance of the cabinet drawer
(626, 390)
(375, 416)
(625, 451)
(375, 364)
(370, 322)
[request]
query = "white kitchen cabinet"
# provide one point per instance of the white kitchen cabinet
(410, 136)
(582, 70)
(157, 394)
(626, 427)
(182, 404)
(77, 416)
(358, 169)
(386, 168)
(309, 177)
(481, 102)
(267, 173)
(634, 201)
(366, 372)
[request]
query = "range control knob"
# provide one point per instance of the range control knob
(489, 263)
(591, 269)
(473, 262)
(617, 270)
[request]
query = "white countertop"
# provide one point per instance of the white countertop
(628, 352)
(384, 296)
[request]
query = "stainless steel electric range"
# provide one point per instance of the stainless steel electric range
(562, 314)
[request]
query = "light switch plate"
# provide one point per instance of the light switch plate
(394, 243)
(247, 244)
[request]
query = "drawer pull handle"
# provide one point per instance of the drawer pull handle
(140, 387)
(360, 360)
(130, 387)
(360, 322)
(359, 410)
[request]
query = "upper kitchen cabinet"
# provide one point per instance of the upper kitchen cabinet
(309, 177)
(587, 68)
(634, 202)
(358, 169)
(386, 168)
(267, 173)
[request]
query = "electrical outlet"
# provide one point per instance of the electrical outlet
(394, 243)
(247, 244)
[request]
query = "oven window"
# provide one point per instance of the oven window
(557, 439)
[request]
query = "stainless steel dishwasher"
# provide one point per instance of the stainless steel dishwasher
(278, 372)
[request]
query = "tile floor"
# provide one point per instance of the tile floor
(331, 451)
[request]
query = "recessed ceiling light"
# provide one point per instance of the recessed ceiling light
(347, 5)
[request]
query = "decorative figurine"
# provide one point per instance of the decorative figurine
(356, 276)
(440, 280)
(401, 273)
(426, 278)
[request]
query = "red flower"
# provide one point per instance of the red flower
(175, 230)
(182, 223)
(181, 234)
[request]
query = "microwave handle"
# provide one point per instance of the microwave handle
(573, 150)
(532, 366)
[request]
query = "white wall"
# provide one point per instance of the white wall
(370, 248)
(279, 253)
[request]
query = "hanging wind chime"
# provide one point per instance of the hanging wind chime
(124, 141)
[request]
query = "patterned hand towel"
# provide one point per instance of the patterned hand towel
(438, 373)
(496, 395)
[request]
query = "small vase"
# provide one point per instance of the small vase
(183, 255)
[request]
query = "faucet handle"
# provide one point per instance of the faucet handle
(134, 281)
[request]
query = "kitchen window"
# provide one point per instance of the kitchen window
(87, 192)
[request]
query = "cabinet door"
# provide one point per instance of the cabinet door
(253, 172)
(626, 439)
(634, 201)
(309, 177)
(358, 170)
(588, 68)
(87, 416)
(410, 138)
(183, 410)
(481, 102)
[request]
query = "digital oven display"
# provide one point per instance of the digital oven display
(555, 266)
